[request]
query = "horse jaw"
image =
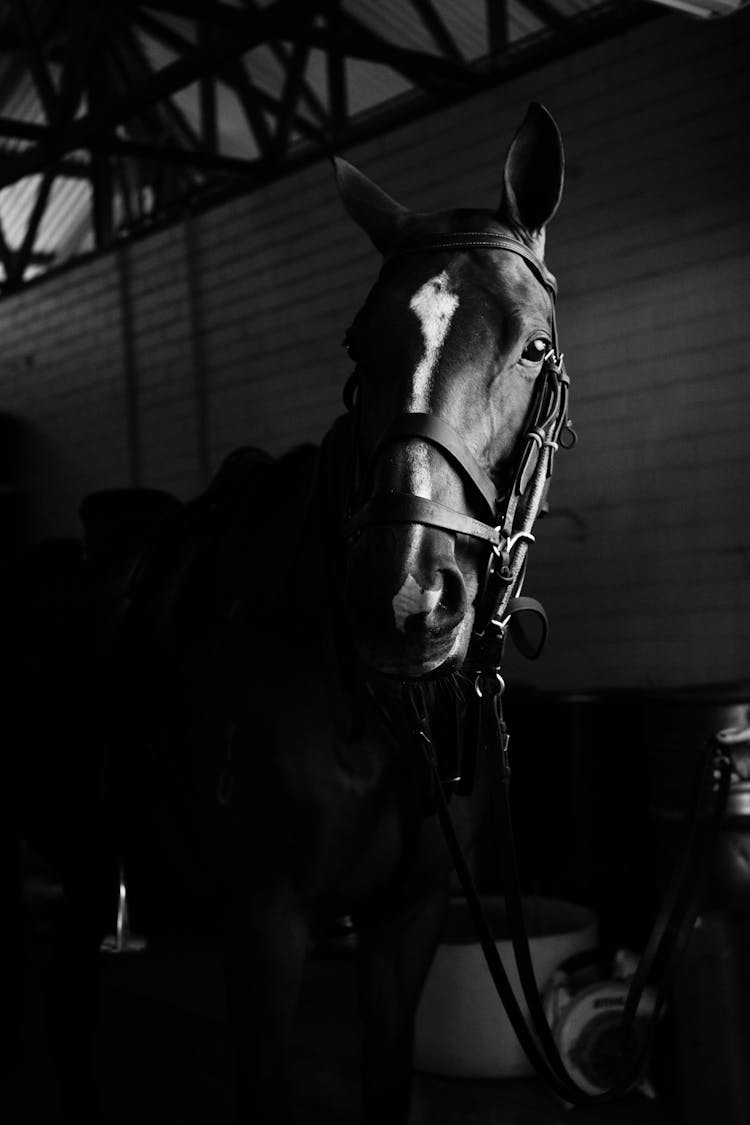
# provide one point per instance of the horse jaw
(416, 655)
(430, 656)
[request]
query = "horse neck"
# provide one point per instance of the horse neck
(336, 471)
(331, 497)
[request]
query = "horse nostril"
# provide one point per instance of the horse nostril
(452, 600)
(434, 599)
(442, 601)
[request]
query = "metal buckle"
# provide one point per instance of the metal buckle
(495, 685)
(571, 435)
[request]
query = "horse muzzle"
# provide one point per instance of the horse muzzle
(408, 604)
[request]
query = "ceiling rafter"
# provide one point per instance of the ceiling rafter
(98, 91)
(24, 130)
(176, 42)
(209, 125)
(69, 167)
(291, 93)
(335, 65)
(546, 11)
(173, 77)
(435, 24)
(138, 70)
(247, 93)
(7, 256)
(236, 79)
(172, 154)
(497, 26)
(220, 14)
(426, 70)
(283, 56)
(33, 53)
(157, 126)
(224, 22)
(60, 110)
(99, 88)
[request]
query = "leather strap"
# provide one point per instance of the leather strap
(478, 240)
(521, 605)
(439, 433)
(404, 507)
(670, 933)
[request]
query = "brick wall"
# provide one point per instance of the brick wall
(150, 364)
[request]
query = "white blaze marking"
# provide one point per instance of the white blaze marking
(412, 599)
(435, 305)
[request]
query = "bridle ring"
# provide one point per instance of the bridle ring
(527, 535)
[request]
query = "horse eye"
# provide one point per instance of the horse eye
(350, 347)
(536, 350)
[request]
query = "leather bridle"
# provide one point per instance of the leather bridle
(507, 529)
(508, 518)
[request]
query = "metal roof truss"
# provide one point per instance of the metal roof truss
(117, 115)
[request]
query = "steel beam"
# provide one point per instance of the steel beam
(183, 72)
(435, 24)
(184, 158)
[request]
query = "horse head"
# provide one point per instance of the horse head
(449, 347)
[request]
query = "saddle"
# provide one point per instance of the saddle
(174, 581)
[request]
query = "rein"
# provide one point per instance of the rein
(507, 529)
(666, 942)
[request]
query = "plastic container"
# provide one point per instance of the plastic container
(462, 1030)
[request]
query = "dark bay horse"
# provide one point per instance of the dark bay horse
(271, 641)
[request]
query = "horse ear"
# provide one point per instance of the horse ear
(533, 177)
(379, 216)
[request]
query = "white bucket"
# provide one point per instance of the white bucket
(461, 1027)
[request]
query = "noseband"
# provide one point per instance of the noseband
(547, 418)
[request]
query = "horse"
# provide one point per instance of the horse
(281, 645)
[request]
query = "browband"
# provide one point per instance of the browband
(478, 240)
